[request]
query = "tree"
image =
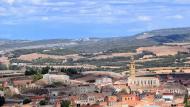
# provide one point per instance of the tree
(45, 70)
(43, 102)
(52, 68)
(3, 67)
(37, 77)
(124, 91)
(65, 103)
(71, 71)
(26, 101)
(186, 102)
(173, 71)
(181, 70)
(14, 67)
(30, 71)
(2, 100)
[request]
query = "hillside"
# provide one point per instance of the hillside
(158, 48)
(155, 37)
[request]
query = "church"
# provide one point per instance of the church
(141, 83)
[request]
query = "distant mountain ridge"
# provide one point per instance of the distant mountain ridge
(166, 35)
(154, 37)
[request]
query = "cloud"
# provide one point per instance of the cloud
(2, 11)
(182, 1)
(45, 18)
(93, 11)
(144, 18)
(178, 17)
(10, 2)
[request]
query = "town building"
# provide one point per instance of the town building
(173, 88)
(108, 90)
(83, 89)
(121, 85)
(52, 78)
(168, 97)
(90, 99)
(141, 83)
(129, 99)
(103, 81)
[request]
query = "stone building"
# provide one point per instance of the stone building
(52, 78)
(90, 98)
(121, 85)
(83, 89)
(129, 99)
(103, 81)
(173, 88)
(137, 83)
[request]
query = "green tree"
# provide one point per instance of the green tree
(66, 104)
(3, 67)
(45, 70)
(37, 77)
(14, 67)
(26, 101)
(2, 100)
(43, 102)
(71, 71)
(31, 71)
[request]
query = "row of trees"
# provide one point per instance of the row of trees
(64, 103)
(72, 71)
(37, 73)
(10, 67)
(177, 60)
(33, 71)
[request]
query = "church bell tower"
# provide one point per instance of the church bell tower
(132, 68)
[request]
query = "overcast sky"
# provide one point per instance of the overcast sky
(50, 19)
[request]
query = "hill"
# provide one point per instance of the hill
(155, 37)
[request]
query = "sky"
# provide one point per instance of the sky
(74, 19)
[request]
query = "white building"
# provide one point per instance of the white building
(51, 78)
(188, 91)
(168, 97)
(83, 89)
(103, 81)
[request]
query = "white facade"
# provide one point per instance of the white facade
(188, 90)
(141, 82)
(103, 81)
(144, 82)
(168, 97)
(56, 78)
(83, 89)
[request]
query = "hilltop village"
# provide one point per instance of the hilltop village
(94, 53)
(102, 89)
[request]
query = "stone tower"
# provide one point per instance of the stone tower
(132, 68)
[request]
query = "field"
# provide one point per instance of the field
(111, 55)
(164, 50)
(115, 60)
(33, 56)
(4, 60)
